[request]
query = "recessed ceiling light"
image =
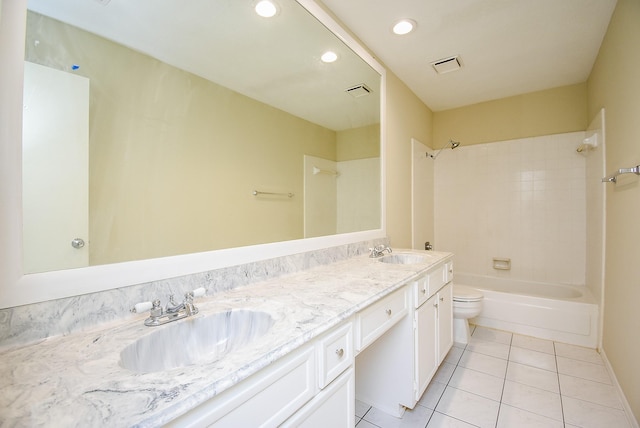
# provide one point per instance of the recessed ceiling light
(266, 8)
(404, 26)
(329, 56)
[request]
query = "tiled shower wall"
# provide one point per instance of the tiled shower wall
(520, 199)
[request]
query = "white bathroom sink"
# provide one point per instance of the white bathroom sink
(403, 259)
(193, 340)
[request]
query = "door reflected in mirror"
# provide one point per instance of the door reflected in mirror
(185, 125)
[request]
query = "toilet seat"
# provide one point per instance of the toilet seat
(462, 293)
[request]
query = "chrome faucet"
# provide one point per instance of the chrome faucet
(379, 250)
(172, 312)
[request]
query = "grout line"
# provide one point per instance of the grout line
(504, 381)
(555, 357)
(446, 385)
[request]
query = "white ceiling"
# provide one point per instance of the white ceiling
(508, 47)
(275, 61)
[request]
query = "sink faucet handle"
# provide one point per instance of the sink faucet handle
(156, 309)
(199, 292)
(141, 307)
(189, 307)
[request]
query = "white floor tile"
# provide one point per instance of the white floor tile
(472, 328)
(484, 363)
(588, 390)
(361, 408)
(432, 395)
(533, 376)
(444, 373)
(533, 343)
(485, 333)
(438, 420)
(459, 345)
(365, 424)
(474, 387)
(495, 349)
(532, 399)
(578, 353)
(589, 415)
(511, 417)
(533, 358)
(468, 407)
(454, 355)
(418, 417)
(583, 369)
(478, 383)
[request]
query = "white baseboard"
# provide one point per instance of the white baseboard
(627, 408)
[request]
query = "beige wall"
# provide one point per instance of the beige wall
(205, 147)
(615, 85)
(358, 143)
(553, 111)
(407, 117)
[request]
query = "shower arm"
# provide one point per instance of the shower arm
(452, 143)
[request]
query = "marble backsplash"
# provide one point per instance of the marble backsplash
(26, 324)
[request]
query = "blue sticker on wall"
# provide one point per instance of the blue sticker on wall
(75, 67)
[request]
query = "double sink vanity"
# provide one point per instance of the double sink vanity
(292, 351)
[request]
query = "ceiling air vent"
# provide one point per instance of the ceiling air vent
(447, 65)
(358, 91)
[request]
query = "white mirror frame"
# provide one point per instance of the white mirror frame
(17, 289)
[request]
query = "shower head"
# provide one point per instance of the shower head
(451, 143)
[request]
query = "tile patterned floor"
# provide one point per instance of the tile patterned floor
(505, 380)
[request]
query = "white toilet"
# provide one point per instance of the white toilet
(467, 303)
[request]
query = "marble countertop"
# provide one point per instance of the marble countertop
(77, 379)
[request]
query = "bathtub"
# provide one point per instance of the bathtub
(556, 312)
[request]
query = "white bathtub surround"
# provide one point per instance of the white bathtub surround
(29, 323)
(78, 377)
(595, 206)
(520, 199)
(556, 312)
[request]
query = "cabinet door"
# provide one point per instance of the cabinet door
(445, 321)
(426, 359)
(333, 407)
(265, 399)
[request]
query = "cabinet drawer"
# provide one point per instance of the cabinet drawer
(335, 354)
(265, 399)
(373, 321)
(428, 285)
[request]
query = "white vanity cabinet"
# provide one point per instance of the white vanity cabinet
(433, 323)
(393, 372)
(433, 336)
(385, 355)
(310, 384)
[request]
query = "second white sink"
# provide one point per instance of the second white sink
(193, 340)
(403, 259)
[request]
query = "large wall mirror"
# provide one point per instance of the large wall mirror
(161, 134)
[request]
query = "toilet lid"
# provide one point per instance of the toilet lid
(463, 293)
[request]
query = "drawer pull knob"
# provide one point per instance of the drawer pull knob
(389, 312)
(424, 291)
(442, 299)
(435, 305)
(340, 352)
